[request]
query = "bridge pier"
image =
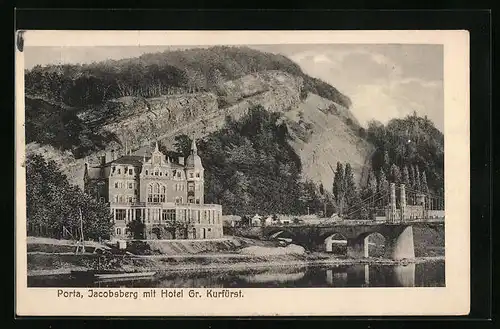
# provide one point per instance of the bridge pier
(404, 276)
(357, 247)
(399, 245)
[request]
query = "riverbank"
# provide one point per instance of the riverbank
(52, 257)
(52, 264)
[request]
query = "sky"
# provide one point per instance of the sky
(383, 81)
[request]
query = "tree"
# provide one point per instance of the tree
(338, 187)
(54, 206)
(395, 174)
(424, 186)
(387, 161)
(418, 184)
(136, 229)
(369, 190)
(413, 180)
(183, 144)
(383, 183)
(351, 192)
(406, 177)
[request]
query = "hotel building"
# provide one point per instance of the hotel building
(165, 194)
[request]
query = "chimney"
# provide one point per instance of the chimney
(181, 161)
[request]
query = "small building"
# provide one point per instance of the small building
(269, 221)
(231, 220)
(257, 220)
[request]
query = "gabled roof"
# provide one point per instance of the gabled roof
(133, 160)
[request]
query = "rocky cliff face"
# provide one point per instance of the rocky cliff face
(323, 132)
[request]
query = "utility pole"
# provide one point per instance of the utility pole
(82, 240)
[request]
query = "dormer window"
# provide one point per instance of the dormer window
(146, 172)
(179, 175)
(130, 172)
(119, 171)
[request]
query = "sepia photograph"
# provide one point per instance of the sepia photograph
(230, 166)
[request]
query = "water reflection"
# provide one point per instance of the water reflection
(411, 275)
(272, 277)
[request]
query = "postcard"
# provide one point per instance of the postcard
(242, 173)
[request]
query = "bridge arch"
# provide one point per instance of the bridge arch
(335, 243)
(375, 244)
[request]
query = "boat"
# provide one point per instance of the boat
(110, 274)
(124, 275)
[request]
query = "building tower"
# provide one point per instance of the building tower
(194, 176)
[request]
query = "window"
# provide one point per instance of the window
(191, 175)
(209, 230)
(116, 184)
(146, 172)
(156, 192)
(179, 174)
(102, 199)
(116, 198)
(120, 198)
(118, 231)
(119, 171)
(156, 172)
(190, 187)
(120, 214)
(130, 199)
(169, 214)
(161, 173)
(130, 185)
(199, 219)
(197, 201)
(166, 173)
(197, 175)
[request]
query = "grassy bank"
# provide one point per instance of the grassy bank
(46, 257)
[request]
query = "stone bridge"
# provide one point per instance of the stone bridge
(398, 236)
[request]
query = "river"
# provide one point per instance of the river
(429, 274)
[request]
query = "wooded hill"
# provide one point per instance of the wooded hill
(249, 162)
